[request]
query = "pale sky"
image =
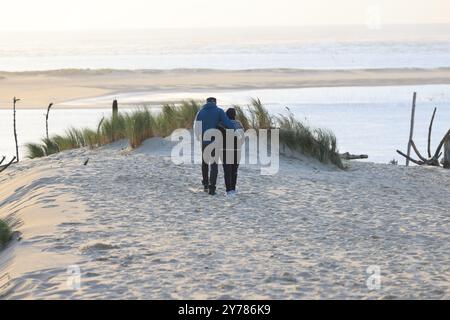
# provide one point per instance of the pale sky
(125, 14)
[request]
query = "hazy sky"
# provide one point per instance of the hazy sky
(120, 14)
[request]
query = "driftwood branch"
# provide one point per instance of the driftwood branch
(348, 156)
(438, 150)
(3, 159)
(413, 145)
(430, 128)
(433, 160)
(410, 159)
(7, 165)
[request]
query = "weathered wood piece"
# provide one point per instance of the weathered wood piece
(3, 168)
(349, 156)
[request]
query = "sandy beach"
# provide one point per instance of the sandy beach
(137, 226)
(38, 88)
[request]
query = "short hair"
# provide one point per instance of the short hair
(231, 113)
(211, 99)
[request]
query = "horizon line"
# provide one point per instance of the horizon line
(446, 24)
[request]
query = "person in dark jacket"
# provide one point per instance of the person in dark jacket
(210, 117)
(231, 154)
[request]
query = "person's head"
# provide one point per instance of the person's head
(231, 113)
(211, 100)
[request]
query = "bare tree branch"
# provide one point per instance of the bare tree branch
(7, 165)
(410, 159)
(417, 151)
(429, 132)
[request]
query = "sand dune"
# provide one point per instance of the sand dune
(38, 88)
(137, 227)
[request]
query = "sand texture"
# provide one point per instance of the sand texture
(138, 227)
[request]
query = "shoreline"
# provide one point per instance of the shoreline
(38, 88)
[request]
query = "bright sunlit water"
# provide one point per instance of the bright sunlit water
(244, 48)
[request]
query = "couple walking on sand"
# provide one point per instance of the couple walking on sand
(222, 128)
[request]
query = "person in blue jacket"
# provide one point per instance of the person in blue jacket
(210, 116)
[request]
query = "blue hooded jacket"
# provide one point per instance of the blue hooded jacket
(211, 116)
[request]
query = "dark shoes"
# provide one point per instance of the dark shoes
(209, 189)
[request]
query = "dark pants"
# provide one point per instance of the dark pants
(230, 173)
(206, 167)
(230, 169)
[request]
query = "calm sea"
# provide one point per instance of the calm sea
(244, 48)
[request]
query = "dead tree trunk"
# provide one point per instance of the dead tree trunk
(46, 119)
(446, 161)
(14, 126)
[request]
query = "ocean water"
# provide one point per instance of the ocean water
(372, 120)
(369, 120)
(245, 48)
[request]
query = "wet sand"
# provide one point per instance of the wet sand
(37, 89)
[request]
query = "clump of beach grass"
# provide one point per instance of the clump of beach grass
(175, 117)
(142, 124)
(135, 126)
(259, 116)
(35, 150)
(5, 233)
(139, 126)
(91, 138)
(318, 143)
(113, 129)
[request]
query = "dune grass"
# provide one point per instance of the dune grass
(135, 126)
(139, 126)
(142, 124)
(315, 142)
(5, 233)
(320, 144)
